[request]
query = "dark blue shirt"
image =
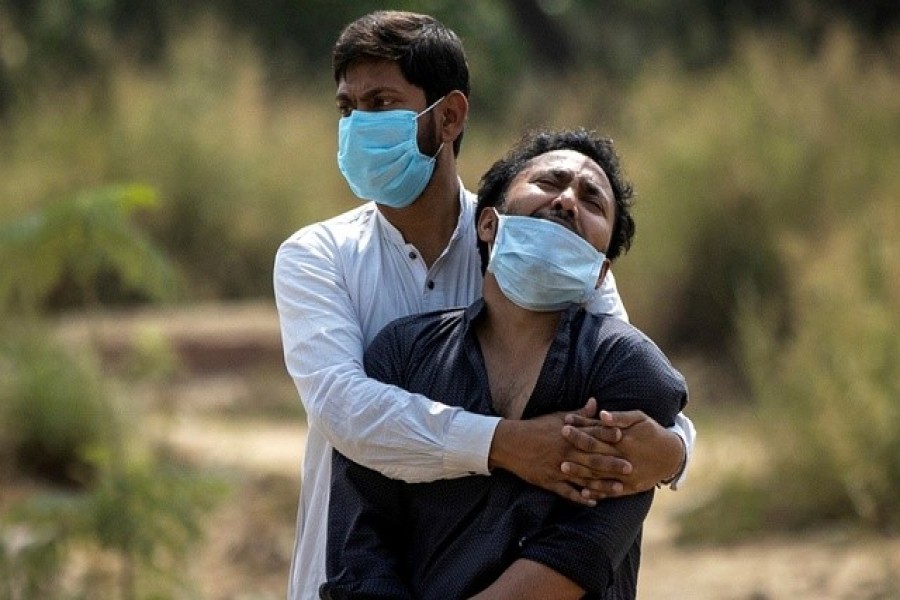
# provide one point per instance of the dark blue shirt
(452, 538)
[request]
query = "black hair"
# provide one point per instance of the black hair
(495, 182)
(429, 54)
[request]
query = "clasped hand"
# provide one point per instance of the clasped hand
(586, 457)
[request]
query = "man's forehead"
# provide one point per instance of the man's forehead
(565, 159)
(369, 73)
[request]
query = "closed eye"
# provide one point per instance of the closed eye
(547, 183)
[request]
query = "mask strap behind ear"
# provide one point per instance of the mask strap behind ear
(433, 104)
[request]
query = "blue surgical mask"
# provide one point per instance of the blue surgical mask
(542, 266)
(378, 154)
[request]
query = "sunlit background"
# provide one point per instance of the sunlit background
(154, 153)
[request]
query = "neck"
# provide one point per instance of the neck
(514, 343)
(429, 222)
(508, 325)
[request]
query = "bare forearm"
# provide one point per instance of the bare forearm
(529, 580)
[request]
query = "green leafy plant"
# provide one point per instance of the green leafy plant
(76, 241)
(149, 513)
(53, 408)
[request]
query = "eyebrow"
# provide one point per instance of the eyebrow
(556, 172)
(369, 94)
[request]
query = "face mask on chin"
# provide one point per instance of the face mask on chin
(378, 155)
(542, 266)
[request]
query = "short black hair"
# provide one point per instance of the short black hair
(495, 182)
(429, 54)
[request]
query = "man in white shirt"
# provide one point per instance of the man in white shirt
(402, 92)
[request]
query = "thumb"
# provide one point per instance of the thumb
(589, 410)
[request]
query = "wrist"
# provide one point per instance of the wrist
(499, 454)
(682, 462)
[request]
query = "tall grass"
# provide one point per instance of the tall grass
(729, 162)
(795, 185)
(827, 391)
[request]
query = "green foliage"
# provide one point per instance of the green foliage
(58, 424)
(150, 514)
(74, 242)
(53, 408)
(237, 171)
(48, 41)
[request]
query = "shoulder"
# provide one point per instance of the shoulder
(420, 328)
(345, 228)
(326, 241)
(619, 342)
(629, 371)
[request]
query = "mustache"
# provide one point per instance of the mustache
(558, 216)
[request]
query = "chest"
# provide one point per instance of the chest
(512, 382)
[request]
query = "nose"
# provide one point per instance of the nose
(565, 201)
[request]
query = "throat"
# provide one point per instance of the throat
(513, 371)
(428, 224)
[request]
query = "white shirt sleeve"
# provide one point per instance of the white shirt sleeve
(684, 428)
(607, 301)
(402, 435)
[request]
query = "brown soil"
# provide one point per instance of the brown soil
(233, 409)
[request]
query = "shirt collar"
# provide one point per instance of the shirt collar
(466, 214)
(475, 309)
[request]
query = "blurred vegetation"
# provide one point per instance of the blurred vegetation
(826, 390)
(61, 423)
(99, 486)
(761, 138)
(83, 250)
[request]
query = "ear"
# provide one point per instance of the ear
(603, 271)
(454, 112)
(487, 225)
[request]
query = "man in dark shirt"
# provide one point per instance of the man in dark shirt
(554, 212)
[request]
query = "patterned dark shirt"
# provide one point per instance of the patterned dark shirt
(452, 538)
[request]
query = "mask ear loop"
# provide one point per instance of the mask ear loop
(496, 224)
(433, 104)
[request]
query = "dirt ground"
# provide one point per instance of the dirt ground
(233, 410)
